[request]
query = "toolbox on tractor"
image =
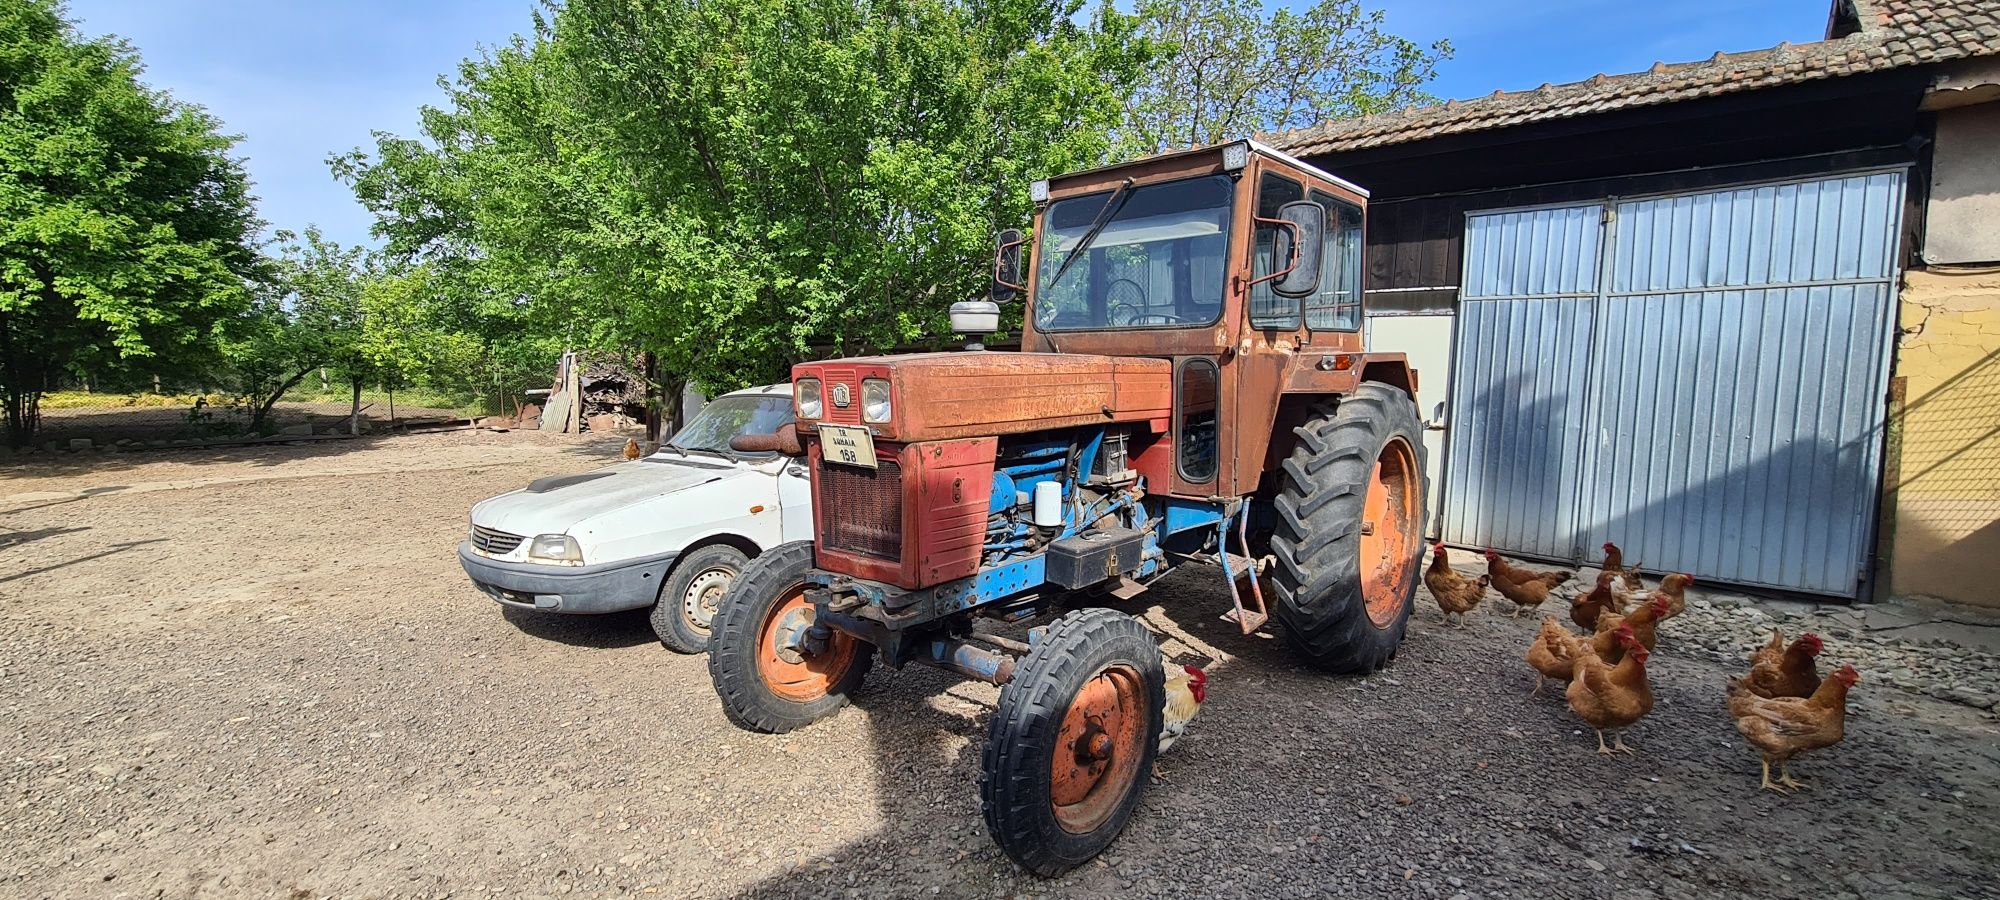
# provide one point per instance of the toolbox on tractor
(1192, 387)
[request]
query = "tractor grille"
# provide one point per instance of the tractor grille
(862, 511)
(497, 543)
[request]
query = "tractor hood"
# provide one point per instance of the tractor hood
(937, 396)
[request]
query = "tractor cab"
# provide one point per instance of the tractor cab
(1193, 387)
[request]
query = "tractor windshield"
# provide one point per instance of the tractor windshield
(1148, 257)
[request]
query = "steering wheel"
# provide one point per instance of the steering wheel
(1122, 312)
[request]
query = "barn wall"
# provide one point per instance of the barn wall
(1945, 487)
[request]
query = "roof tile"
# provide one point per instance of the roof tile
(1896, 33)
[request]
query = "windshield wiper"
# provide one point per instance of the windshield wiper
(722, 453)
(1111, 206)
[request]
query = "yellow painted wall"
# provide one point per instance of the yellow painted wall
(1945, 487)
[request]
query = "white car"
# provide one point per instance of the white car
(670, 530)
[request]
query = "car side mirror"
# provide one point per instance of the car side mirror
(1007, 265)
(1303, 228)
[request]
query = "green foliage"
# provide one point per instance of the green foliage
(1226, 71)
(308, 315)
(736, 185)
(125, 227)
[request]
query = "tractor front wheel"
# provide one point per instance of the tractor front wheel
(1072, 740)
(772, 673)
(1350, 530)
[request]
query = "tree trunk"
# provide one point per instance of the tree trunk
(263, 413)
(354, 416)
(649, 369)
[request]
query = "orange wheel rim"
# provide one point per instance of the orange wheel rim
(787, 669)
(1389, 531)
(1098, 749)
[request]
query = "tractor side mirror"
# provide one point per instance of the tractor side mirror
(1301, 236)
(1007, 265)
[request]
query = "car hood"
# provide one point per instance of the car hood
(555, 504)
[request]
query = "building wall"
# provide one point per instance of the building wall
(1944, 488)
(1963, 218)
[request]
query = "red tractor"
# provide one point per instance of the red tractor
(1193, 388)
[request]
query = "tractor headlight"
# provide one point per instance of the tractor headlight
(560, 549)
(875, 400)
(806, 397)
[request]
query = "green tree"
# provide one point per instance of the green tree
(1226, 70)
(126, 230)
(309, 315)
(734, 185)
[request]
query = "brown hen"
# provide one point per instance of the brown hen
(1456, 594)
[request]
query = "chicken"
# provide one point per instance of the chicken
(1783, 727)
(1611, 697)
(1674, 588)
(1187, 687)
(1605, 597)
(1528, 588)
(632, 448)
(1780, 671)
(1614, 562)
(1554, 653)
(1643, 621)
(1456, 594)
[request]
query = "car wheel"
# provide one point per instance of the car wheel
(686, 607)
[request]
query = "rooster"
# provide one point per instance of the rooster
(1187, 687)
(1780, 671)
(1526, 587)
(1785, 727)
(632, 448)
(1456, 594)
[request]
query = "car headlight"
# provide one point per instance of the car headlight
(806, 397)
(874, 400)
(555, 548)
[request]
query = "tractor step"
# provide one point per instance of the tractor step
(1127, 588)
(1255, 618)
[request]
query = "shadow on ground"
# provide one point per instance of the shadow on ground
(630, 628)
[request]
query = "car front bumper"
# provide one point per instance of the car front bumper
(601, 588)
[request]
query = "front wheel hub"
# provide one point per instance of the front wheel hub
(1101, 734)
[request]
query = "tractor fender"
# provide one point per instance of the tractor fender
(1307, 386)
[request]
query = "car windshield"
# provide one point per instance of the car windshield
(1157, 261)
(727, 417)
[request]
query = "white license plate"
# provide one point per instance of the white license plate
(849, 445)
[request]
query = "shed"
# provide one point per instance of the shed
(1732, 314)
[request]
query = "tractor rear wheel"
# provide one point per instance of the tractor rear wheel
(1350, 530)
(770, 674)
(1072, 741)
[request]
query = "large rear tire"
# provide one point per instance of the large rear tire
(1072, 740)
(766, 679)
(1350, 530)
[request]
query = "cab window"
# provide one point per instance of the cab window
(1337, 306)
(1268, 310)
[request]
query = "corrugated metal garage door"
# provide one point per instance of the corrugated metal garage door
(1699, 378)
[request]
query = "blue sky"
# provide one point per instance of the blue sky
(299, 80)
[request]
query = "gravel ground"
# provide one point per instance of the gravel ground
(262, 675)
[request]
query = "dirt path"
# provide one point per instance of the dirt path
(271, 679)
